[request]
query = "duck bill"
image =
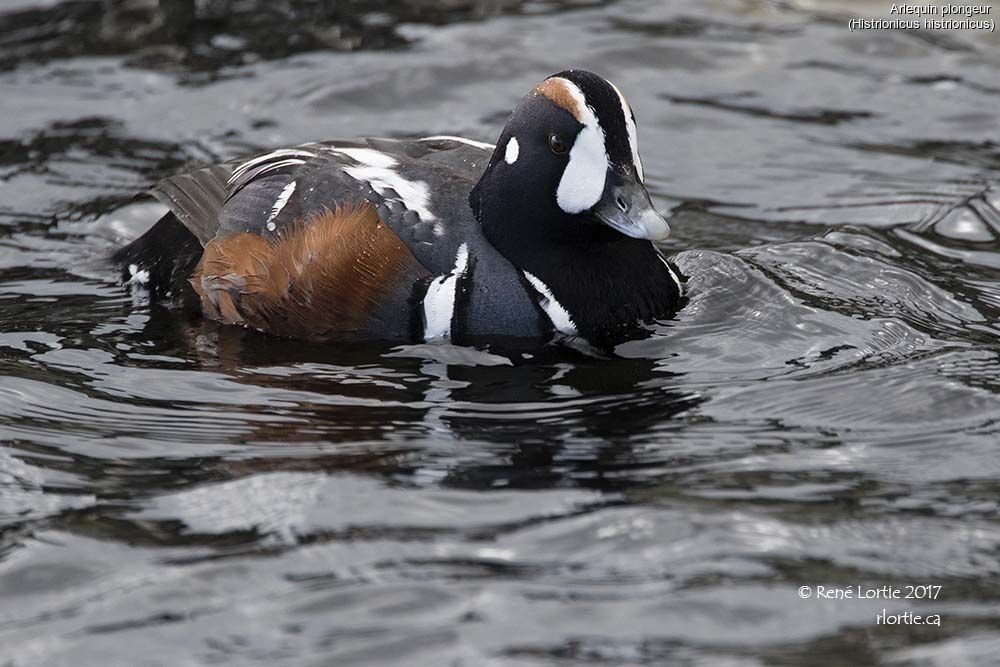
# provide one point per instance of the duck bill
(625, 206)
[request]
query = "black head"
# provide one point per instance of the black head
(567, 168)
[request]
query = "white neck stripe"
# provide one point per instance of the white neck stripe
(561, 320)
(673, 276)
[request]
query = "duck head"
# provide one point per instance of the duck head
(566, 170)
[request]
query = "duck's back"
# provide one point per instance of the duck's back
(369, 238)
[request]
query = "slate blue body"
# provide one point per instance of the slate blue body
(494, 298)
(548, 233)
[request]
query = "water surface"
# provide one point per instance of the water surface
(824, 411)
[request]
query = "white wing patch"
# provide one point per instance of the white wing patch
(368, 157)
(559, 316)
(439, 302)
(279, 203)
(461, 140)
(278, 159)
(582, 182)
(378, 170)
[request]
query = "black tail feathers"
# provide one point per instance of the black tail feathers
(161, 260)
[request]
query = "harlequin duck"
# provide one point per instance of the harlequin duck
(547, 233)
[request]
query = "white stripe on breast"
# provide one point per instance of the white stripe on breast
(279, 203)
(439, 301)
(559, 316)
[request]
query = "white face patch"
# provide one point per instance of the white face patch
(439, 301)
(559, 316)
(377, 170)
(510, 155)
(279, 203)
(582, 182)
(633, 136)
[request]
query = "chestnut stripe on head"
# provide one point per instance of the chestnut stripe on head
(558, 90)
(608, 138)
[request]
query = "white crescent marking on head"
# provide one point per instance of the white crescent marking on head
(582, 182)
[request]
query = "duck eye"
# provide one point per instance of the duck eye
(557, 145)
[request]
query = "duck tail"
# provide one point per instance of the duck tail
(161, 260)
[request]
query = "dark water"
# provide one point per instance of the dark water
(824, 412)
